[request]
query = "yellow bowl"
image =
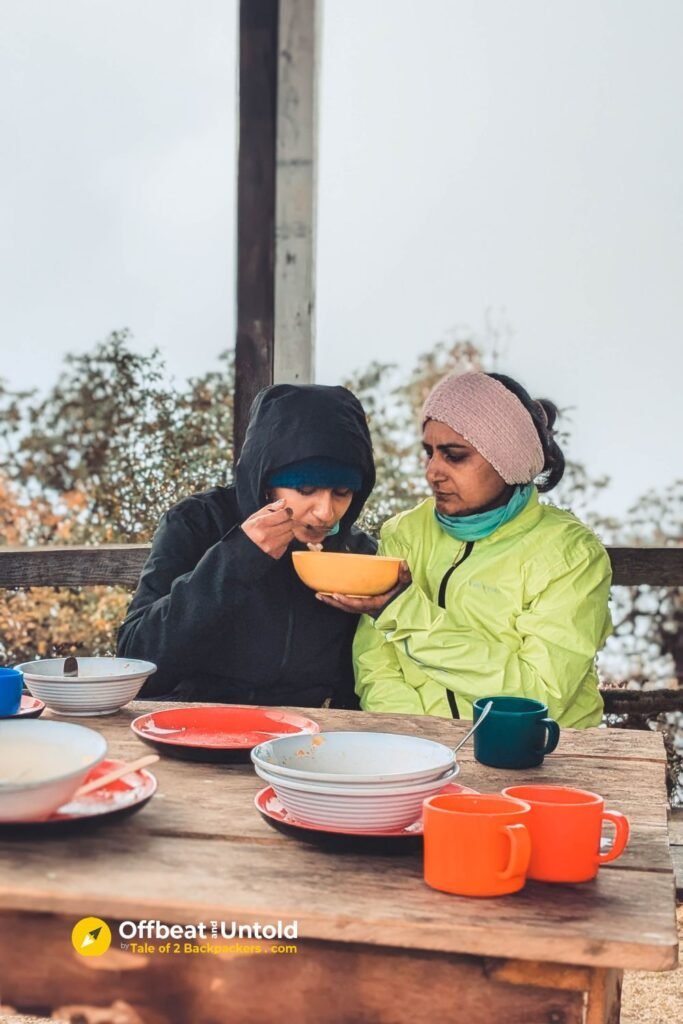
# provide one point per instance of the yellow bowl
(334, 572)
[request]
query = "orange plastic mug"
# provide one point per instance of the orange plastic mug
(566, 828)
(475, 845)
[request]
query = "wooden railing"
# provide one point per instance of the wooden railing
(121, 564)
(100, 565)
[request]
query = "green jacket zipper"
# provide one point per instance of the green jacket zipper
(442, 604)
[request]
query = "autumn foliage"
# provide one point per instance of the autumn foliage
(97, 460)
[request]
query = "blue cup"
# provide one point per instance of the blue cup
(11, 684)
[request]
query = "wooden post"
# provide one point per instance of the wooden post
(258, 49)
(295, 193)
(275, 198)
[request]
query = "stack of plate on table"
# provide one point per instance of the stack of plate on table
(355, 781)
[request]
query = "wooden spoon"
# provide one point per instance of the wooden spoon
(114, 774)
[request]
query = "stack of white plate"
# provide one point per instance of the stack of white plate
(355, 781)
(102, 686)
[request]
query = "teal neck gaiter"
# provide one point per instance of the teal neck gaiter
(482, 524)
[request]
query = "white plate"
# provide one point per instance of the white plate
(362, 758)
(352, 807)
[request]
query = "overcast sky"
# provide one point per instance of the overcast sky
(522, 157)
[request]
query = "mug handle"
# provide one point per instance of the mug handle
(520, 850)
(621, 824)
(553, 735)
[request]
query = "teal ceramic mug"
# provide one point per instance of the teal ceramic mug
(516, 733)
(11, 683)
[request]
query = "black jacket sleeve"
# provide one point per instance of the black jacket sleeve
(186, 591)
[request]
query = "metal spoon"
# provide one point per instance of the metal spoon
(70, 667)
(484, 712)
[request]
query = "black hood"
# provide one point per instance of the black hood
(288, 423)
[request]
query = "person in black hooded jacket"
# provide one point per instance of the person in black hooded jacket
(219, 607)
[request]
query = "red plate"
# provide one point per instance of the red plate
(119, 798)
(30, 707)
(272, 811)
(226, 733)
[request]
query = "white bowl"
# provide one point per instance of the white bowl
(43, 764)
(102, 686)
(353, 808)
(361, 758)
(381, 789)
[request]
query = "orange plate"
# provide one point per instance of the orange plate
(400, 840)
(226, 733)
(114, 801)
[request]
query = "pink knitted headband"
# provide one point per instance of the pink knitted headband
(492, 419)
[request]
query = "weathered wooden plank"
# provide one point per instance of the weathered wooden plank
(676, 826)
(676, 841)
(172, 814)
(256, 199)
(633, 796)
(295, 193)
(641, 702)
(122, 563)
(380, 986)
(677, 858)
(604, 998)
(661, 567)
(622, 919)
(99, 565)
(602, 988)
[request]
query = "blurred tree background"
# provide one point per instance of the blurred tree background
(115, 442)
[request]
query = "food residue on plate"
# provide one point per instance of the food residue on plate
(316, 741)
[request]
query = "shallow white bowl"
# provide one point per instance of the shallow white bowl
(361, 758)
(102, 687)
(42, 764)
(355, 808)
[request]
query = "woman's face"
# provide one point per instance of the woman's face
(315, 510)
(461, 479)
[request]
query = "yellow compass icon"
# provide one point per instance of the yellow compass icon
(91, 936)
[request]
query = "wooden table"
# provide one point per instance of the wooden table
(374, 942)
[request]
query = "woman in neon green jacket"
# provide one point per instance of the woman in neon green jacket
(499, 594)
